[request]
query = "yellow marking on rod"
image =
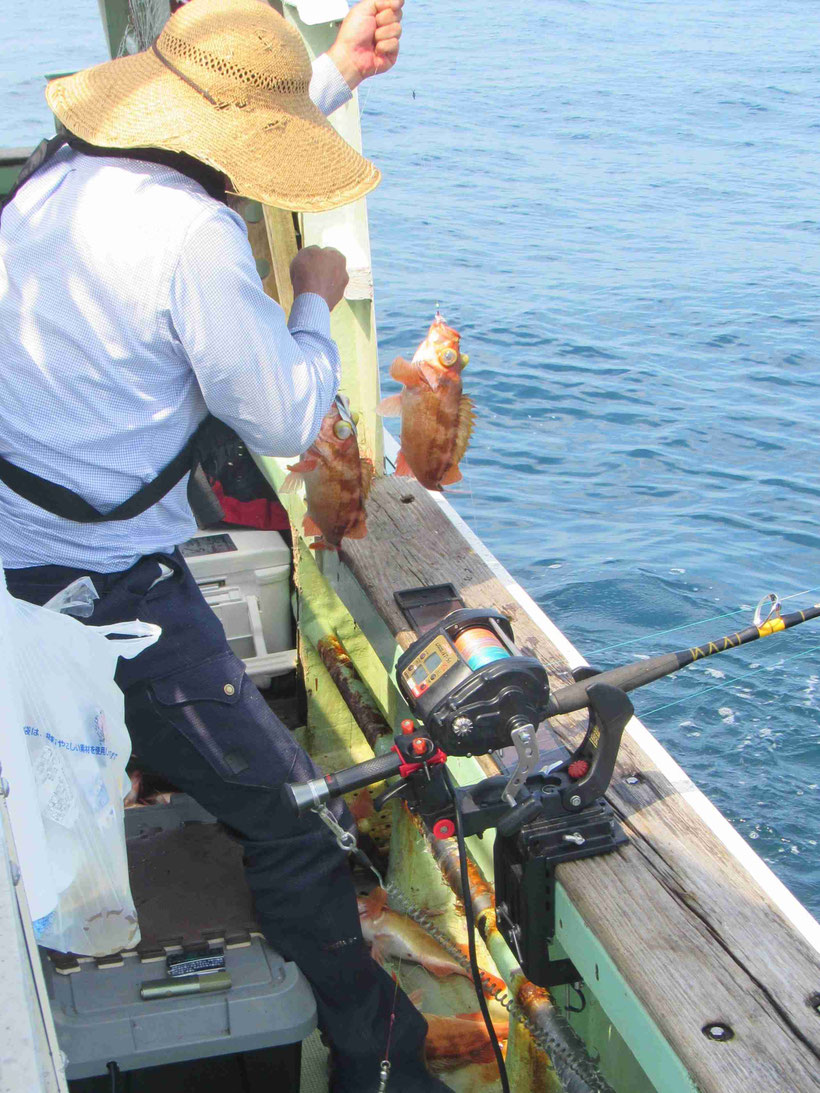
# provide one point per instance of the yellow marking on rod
(714, 647)
(771, 627)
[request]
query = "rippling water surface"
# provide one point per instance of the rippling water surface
(617, 204)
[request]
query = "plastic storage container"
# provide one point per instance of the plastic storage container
(99, 1013)
(244, 575)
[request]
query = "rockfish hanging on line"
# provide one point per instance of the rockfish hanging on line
(336, 480)
(436, 418)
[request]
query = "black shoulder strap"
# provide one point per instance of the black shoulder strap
(41, 154)
(61, 501)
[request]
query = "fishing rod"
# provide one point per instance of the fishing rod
(473, 692)
(630, 676)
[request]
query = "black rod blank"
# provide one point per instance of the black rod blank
(630, 676)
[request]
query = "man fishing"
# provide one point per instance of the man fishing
(130, 308)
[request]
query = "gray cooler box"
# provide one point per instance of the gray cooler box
(190, 894)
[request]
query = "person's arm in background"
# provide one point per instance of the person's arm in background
(367, 44)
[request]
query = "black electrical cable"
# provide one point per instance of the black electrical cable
(470, 917)
(114, 1071)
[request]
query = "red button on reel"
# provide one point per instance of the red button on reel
(444, 829)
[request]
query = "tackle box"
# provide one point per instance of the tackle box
(189, 889)
(244, 575)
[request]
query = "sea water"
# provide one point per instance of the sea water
(616, 203)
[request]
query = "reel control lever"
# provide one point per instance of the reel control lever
(592, 764)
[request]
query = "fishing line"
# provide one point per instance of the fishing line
(728, 682)
(363, 106)
(697, 622)
(384, 1070)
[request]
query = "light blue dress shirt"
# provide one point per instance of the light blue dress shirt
(130, 305)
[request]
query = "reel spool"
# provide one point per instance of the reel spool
(469, 683)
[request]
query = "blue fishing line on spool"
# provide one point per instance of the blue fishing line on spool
(486, 656)
(479, 647)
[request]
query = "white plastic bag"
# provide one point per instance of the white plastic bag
(76, 599)
(64, 746)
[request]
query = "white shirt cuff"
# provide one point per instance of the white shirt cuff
(310, 313)
(328, 88)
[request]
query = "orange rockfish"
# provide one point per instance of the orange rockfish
(436, 418)
(336, 480)
(456, 1041)
(393, 935)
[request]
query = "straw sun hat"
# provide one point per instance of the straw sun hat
(227, 82)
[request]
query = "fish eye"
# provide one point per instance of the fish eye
(448, 356)
(343, 429)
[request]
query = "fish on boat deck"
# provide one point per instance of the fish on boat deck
(336, 480)
(391, 934)
(462, 1039)
(436, 417)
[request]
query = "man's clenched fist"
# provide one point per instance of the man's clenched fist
(322, 270)
(368, 40)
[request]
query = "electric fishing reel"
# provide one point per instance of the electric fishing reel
(469, 684)
(472, 692)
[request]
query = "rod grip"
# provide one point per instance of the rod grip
(363, 774)
(301, 796)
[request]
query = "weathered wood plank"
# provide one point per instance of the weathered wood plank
(690, 930)
(283, 248)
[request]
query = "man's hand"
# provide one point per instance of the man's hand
(368, 40)
(322, 270)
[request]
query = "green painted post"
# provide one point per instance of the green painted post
(114, 16)
(11, 160)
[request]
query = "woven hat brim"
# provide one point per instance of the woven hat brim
(281, 151)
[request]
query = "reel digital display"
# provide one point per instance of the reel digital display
(429, 666)
(470, 685)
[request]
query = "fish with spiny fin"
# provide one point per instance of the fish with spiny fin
(336, 481)
(436, 416)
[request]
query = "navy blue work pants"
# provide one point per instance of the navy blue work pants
(197, 720)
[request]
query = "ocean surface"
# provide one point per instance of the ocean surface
(616, 203)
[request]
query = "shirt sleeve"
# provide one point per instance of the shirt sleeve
(328, 88)
(271, 381)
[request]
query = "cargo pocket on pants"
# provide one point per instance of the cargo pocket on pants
(207, 704)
